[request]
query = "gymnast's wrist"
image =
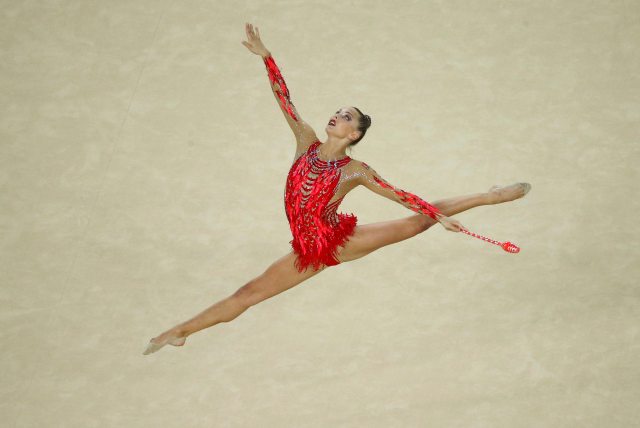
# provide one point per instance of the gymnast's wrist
(265, 55)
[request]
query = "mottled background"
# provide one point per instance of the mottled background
(143, 160)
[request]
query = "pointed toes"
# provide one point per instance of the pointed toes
(151, 348)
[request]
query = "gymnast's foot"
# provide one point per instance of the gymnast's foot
(174, 336)
(498, 194)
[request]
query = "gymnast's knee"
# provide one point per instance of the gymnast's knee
(248, 295)
(425, 222)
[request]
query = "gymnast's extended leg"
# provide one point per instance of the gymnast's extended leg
(278, 277)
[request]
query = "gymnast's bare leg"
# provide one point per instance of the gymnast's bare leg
(282, 274)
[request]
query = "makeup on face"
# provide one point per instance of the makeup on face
(347, 114)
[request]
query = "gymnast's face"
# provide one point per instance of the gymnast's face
(344, 123)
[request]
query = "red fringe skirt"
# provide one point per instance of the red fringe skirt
(323, 249)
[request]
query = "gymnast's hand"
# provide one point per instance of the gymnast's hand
(254, 44)
(450, 224)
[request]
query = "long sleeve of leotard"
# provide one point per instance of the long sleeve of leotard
(279, 88)
(374, 182)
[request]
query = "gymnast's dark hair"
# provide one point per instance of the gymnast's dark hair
(363, 125)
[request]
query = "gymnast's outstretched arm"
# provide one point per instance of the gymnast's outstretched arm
(368, 177)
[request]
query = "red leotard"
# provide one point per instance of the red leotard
(315, 188)
(316, 227)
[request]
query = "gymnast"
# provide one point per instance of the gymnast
(319, 178)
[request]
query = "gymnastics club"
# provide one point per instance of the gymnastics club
(507, 246)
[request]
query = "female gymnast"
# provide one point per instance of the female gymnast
(319, 178)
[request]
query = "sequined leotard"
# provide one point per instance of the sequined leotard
(315, 188)
(316, 226)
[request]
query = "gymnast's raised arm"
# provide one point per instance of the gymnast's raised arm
(302, 131)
